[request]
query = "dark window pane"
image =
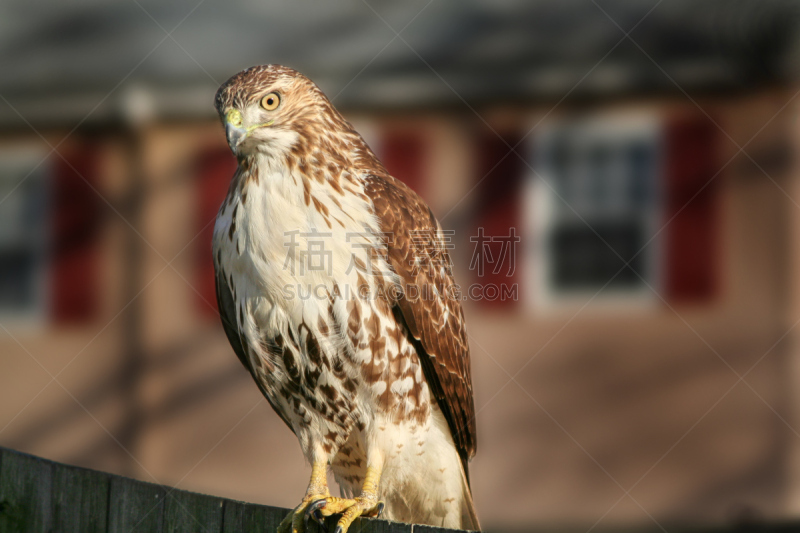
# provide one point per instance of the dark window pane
(641, 159)
(600, 164)
(560, 162)
(583, 259)
(22, 236)
(17, 279)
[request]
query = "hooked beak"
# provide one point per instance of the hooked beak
(234, 130)
(235, 135)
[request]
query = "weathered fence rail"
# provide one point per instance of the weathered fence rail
(41, 496)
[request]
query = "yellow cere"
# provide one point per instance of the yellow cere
(234, 118)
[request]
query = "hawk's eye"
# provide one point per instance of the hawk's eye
(271, 101)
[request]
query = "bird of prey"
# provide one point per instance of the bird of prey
(336, 293)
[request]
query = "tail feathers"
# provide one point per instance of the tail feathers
(469, 516)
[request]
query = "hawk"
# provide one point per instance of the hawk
(335, 291)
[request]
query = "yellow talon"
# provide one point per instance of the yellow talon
(317, 490)
(319, 503)
(366, 504)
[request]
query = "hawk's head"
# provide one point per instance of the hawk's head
(268, 108)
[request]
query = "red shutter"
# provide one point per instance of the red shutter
(214, 171)
(498, 213)
(76, 217)
(692, 240)
(403, 154)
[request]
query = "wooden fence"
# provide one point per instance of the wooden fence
(40, 496)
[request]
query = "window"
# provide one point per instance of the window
(23, 235)
(595, 206)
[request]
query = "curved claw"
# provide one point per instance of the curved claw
(313, 511)
(379, 512)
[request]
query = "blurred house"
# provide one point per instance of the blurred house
(615, 177)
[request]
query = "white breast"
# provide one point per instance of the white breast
(285, 257)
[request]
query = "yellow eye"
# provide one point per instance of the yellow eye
(271, 101)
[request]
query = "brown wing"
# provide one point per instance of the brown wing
(430, 305)
(227, 313)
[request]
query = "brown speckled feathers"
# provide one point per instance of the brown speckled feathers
(429, 307)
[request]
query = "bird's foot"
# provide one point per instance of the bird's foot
(349, 508)
(297, 520)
